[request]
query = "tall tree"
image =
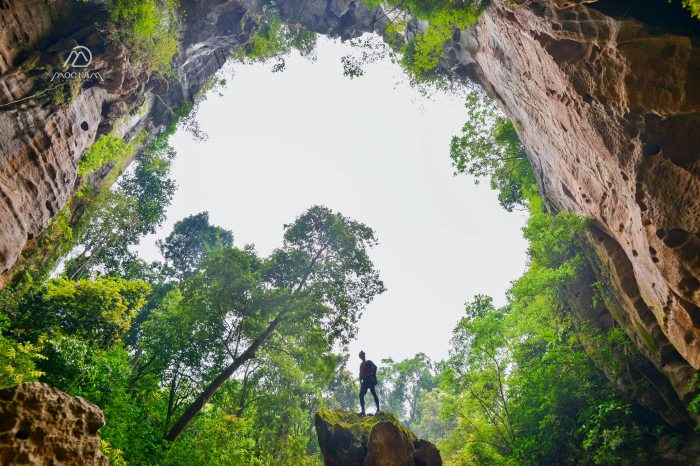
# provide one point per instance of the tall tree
(403, 382)
(191, 240)
(317, 283)
(118, 218)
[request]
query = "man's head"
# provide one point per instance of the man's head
(362, 355)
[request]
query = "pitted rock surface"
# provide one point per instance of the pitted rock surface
(608, 112)
(40, 425)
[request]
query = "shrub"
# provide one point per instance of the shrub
(106, 149)
(150, 28)
(17, 359)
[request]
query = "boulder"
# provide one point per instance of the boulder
(40, 425)
(348, 439)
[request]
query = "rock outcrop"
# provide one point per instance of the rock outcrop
(347, 439)
(608, 109)
(47, 123)
(40, 425)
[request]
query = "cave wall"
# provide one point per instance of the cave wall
(46, 126)
(609, 112)
(606, 106)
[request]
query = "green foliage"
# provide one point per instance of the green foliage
(17, 360)
(691, 5)
(422, 47)
(191, 241)
(402, 383)
(694, 387)
(150, 28)
(98, 311)
(102, 377)
(489, 147)
(422, 53)
(273, 39)
(108, 148)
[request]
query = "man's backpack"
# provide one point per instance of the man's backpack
(372, 379)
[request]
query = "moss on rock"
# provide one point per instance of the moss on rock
(348, 439)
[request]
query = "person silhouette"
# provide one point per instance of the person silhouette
(368, 380)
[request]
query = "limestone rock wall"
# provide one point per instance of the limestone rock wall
(40, 425)
(609, 113)
(46, 124)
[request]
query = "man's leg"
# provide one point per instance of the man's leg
(363, 391)
(376, 399)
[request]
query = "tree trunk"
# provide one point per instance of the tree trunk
(199, 402)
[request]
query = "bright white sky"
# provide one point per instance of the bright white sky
(373, 149)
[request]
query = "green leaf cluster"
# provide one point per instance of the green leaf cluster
(489, 146)
(419, 29)
(150, 28)
(17, 360)
(273, 39)
(108, 148)
(693, 6)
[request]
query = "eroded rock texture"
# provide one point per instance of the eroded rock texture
(47, 123)
(609, 112)
(347, 439)
(40, 425)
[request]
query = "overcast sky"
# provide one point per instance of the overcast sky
(373, 149)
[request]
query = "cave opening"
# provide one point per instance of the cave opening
(374, 148)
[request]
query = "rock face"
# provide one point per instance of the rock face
(609, 110)
(347, 439)
(47, 123)
(40, 425)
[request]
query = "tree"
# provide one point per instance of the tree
(316, 284)
(478, 365)
(403, 382)
(118, 218)
(191, 240)
(489, 147)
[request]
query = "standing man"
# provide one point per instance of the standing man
(368, 380)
